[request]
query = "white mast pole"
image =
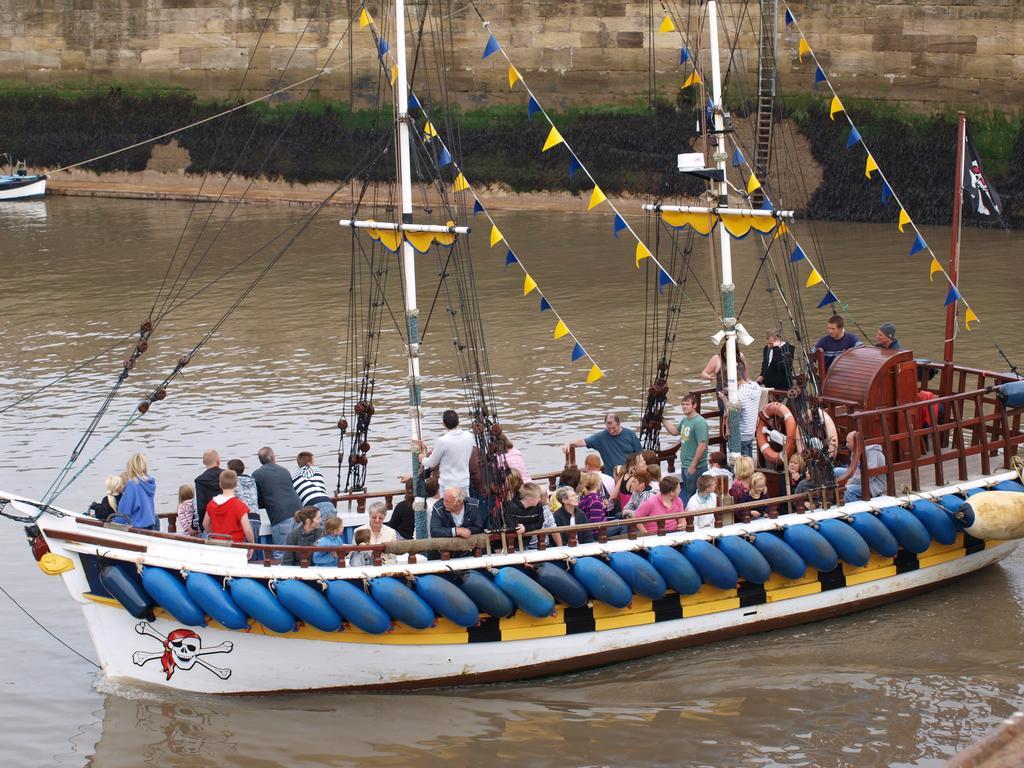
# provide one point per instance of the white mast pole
(728, 289)
(408, 255)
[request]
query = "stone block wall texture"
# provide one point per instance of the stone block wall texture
(571, 52)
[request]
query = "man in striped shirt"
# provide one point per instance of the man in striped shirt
(311, 487)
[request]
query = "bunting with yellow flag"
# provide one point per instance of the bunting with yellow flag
(803, 49)
(641, 253)
(529, 284)
(596, 198)
(970, 317)
(561, 329)
(693, 79)
(513, 76)
(870, 166)
(813, 279)
(595, 374)
(835, 108)
(364, 19)
(496, 236)
(460, 184)
(553, 140)
(904, 219)
(667, 25)
(935, 267)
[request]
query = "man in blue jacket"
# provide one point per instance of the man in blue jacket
(456, 516)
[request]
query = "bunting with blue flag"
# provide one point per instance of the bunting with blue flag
(684, 56)
(577, 352)
(477, 207)
(510, 258)
(574, 165)
(663, 279)
(789, 17)
(383, 47)
(445, 157)
(737, 158)
(819, 76)
(766, 204)
(620, 224)
(544, 305)
(830, 298)
(886, 192)
(952, 296)
(414, 103)
(491, 47)
(918, 246)
(854, 137)
(798, 254)
(532, 108)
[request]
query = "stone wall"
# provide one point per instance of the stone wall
(923, 52)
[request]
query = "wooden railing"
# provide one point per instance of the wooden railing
(481, 544)
(974, 423)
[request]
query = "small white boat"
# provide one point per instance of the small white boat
(20, 185)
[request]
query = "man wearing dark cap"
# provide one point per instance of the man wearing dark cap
(885, 337)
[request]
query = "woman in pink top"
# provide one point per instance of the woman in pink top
(513, 459)
(665, 503)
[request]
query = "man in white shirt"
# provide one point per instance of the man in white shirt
(451, 453)
(750, 400)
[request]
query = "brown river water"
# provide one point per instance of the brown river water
(904, 685)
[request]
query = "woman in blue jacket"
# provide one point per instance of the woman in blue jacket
(136, 507)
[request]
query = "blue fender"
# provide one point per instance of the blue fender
(780, 556)
(308, 604)
(675, 569)
(908, 530)
(938, 521)
(562, 584)
(487, 597)
(950, 502)
(1011, 393)
(642, 577)
(971, 491)
(602, 582)
(711, 563)
(255, 599)
(874, 532)
(1008, 485)
(170, 594)
(526, 593)
(357, 608)
(122, 581)
(213, 598)
(401, 603)
(848, 544)
(811, 546)
(447, 600)
(955, 506)
(749, 563)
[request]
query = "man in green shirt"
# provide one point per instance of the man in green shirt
(693, 439)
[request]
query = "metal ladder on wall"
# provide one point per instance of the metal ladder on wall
(766, 79)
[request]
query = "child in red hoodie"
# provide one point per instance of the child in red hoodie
(226, 514)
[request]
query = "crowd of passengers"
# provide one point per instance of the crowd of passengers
(618, 481)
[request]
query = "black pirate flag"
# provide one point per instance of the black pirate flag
(981, 196)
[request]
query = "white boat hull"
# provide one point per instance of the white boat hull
(24, 191)
(260, 661)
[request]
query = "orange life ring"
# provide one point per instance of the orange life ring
(770, 456)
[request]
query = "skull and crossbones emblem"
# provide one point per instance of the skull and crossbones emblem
(182, 649)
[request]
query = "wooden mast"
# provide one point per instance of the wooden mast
(954, 250)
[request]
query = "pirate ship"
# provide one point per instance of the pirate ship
(199, 615)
